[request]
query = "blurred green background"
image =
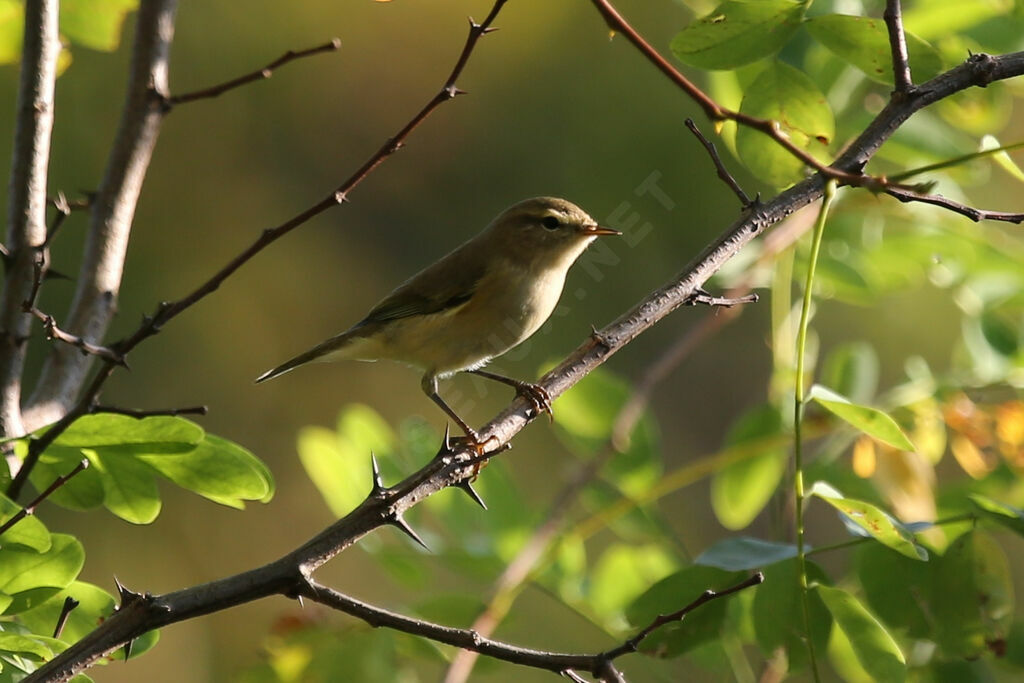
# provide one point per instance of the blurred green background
(555, 107)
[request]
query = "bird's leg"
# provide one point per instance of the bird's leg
(429, 385)
(535, 393)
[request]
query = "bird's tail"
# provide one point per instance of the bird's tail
(328, 350)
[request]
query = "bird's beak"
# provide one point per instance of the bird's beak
(598, 230)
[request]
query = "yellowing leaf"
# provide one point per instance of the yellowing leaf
(864, 457)
(874, 521)
(970, 457)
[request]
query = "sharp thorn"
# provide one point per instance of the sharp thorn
(401, 524)
(447, 443)
(299, 598)
(466, 486)
(128, 649)
(126, 595)
(378, 485)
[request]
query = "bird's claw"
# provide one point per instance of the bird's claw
(473, 440)
(538, 396)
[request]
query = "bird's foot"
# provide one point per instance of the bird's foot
(473, 440)
(538, 396)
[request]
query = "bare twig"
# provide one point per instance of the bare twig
(138, 413)
(257, 75)
(707, 299)
(168, 310)
(50, 327)
(893, 16)
(633, 643)
(31, 507)
(62, 209)
(65, 611)
(84, 347)
(599, 664)
(26, 218)
(723, 172)
(974, 214)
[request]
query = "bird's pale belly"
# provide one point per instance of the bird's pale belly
(467, 337)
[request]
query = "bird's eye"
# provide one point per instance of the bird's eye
(550, 222)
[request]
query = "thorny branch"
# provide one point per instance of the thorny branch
(521, 567)
(723, 172)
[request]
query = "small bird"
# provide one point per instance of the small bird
(476, 303)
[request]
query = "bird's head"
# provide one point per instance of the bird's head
(545, 229)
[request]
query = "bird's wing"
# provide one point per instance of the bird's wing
(444, 286)
(437, 289)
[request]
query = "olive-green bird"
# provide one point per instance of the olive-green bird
(476, 303)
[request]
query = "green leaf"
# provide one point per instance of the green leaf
(338, 463)
(935, 19)
(864, 42)
(852, 368)
(365, 430)
(896, 588)
(1002, 157)
(1000, 333)
(876, 522)
(786, 95)
(586, 416)
(28, 532)
(24, 646)
(95, 24)
(24, 572)
(876, 650)
(872, 421)
(972, 597)
(12, 25)
(83, 492)
(129, 486)
(737, 33)
(673, 593)
(219, 470)
(1005, 515)
(778, 614)
(624, 572)
(340, 474)
(745, 553)
(94, 605)
(108, 429)
(739, 491)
